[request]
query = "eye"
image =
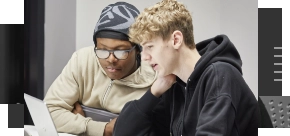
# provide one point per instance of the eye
(150, 46)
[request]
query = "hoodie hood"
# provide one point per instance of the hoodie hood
(212, 50)
(217, 49)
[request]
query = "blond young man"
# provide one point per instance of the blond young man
(199, 90)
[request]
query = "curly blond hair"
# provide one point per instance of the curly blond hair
(161, 20)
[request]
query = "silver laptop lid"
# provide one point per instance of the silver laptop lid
(40, 116)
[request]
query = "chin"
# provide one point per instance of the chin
(114, 77)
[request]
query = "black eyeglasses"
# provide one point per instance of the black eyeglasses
(119, 54)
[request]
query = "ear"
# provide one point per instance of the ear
(177, 37)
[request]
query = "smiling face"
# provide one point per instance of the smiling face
(160, 55)
(116, 68)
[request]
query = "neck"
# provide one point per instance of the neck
(187, 60)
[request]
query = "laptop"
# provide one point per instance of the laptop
(98, 114)
(41, 117)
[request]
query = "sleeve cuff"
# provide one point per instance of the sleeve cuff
(95, 128)
(147, 102)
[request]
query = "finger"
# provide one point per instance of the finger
(74, 111)
(114, 120)
(77, 103)
(78, 106)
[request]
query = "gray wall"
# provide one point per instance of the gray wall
(60, 35)
(239, 20)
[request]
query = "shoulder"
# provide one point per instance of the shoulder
(85, 55)
(224, 69)
(85, 60)
(221, 72)
(220, 69)
(85, 52)
(221, 78)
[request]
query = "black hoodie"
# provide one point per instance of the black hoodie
(215, 100)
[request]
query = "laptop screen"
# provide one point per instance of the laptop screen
(40, 116)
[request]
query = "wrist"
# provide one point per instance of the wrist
(107, 130)
(155, 93)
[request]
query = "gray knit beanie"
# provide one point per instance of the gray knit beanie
(117, 17)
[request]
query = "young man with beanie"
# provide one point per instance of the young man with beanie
(200, 89)
(104, 76)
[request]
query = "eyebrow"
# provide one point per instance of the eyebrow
(147, 42)
(143, 44)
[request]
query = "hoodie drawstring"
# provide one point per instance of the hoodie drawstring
(172, 111)
(183, 114)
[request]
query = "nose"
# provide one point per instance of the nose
(112, 58)
(145, 56)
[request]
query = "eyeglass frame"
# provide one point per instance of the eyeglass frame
(113, 52)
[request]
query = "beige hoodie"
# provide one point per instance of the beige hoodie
(84, 80)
